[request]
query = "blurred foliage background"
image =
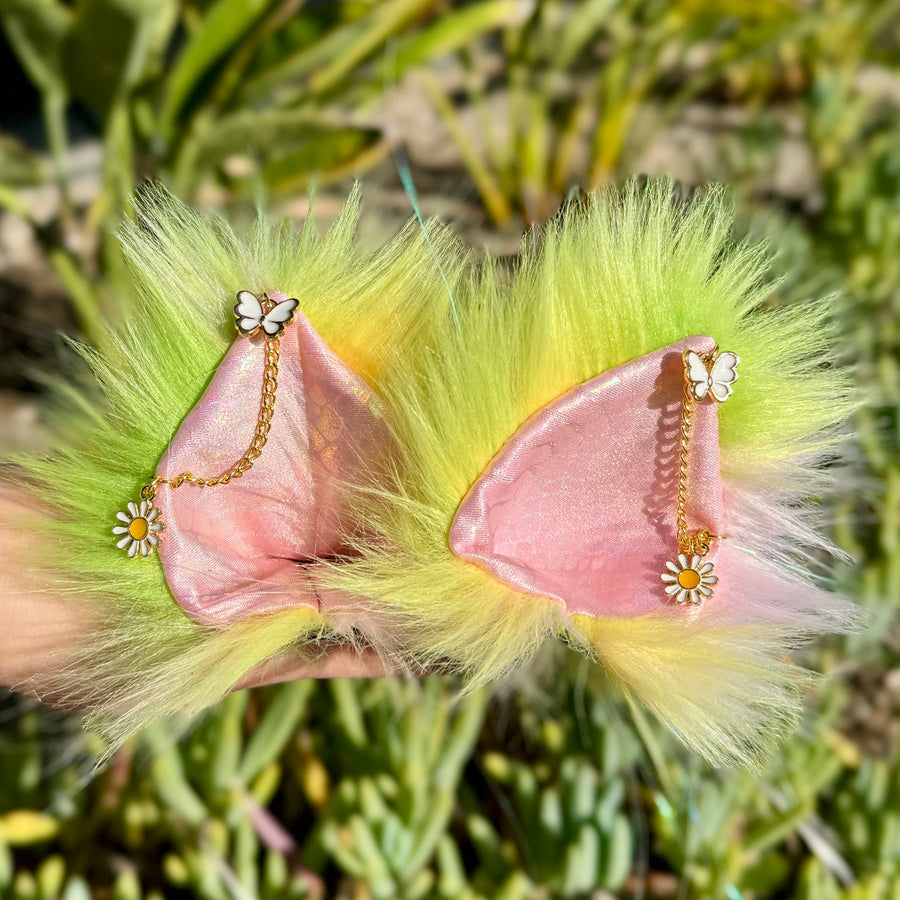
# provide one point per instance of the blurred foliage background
(490, 113)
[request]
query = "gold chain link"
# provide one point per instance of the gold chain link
(697, 543)
(260, 435)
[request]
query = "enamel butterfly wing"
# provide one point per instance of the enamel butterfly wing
(253, 314)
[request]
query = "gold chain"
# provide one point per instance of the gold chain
(260, 435)
(697, 543)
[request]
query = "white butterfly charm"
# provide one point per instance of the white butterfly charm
(250, 315)
(715, 379)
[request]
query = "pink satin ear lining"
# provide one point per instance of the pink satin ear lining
(580, 503)
(236, 550)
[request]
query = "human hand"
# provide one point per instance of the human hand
(41, 627)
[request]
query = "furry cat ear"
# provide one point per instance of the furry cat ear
(580, 502)
(249, 547)
(539, 457)
(235, 582)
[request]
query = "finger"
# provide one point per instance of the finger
(338, 662)
(38, 627)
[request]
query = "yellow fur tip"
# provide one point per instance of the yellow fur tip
(127, 682)
(726, 691)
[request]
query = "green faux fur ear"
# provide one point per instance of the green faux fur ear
(612, 279)
(143, 658)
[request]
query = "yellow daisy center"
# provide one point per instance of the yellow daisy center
(138, 529)
(688, 579)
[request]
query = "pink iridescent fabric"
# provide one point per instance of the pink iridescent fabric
(580, 502)
(239, 550)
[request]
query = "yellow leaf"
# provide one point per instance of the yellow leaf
(26, 826)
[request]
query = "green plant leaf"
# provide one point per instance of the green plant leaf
(260, 133)
(276, 727)
(581, 862)
(221, 28)
(456, 28)
(296, 62)
(327, 156)
(619, 855)
(7, 865)
(112, 47)
(19, 167)
(36, 30)
(386, 19)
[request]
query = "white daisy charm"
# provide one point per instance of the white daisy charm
(140, 530)
(689, 580)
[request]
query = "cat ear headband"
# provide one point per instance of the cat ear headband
(222, 540)
(552, 462)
